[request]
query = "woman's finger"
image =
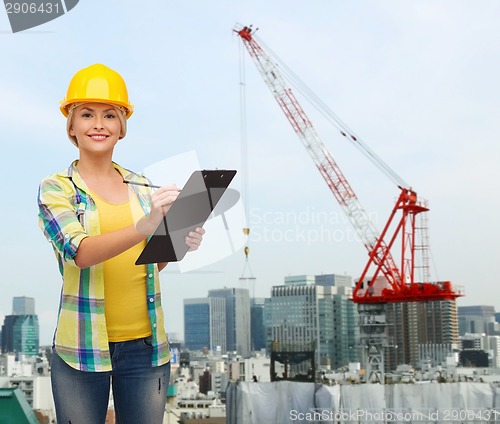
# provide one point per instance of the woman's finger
(194, 238)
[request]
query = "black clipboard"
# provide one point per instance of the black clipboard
(191, 209)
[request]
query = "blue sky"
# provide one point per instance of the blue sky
(417, 80)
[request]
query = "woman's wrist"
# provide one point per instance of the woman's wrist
(146, 226)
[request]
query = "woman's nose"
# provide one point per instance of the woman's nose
(98, 123)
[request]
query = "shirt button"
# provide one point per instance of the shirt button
(151, 299)
(154, 325)
(66, 236)
(150, 275)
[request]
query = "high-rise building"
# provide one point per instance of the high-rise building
(237, 318)
(299, 280)
(257, 326)
(476, 319)
(477, 310)
(21, 331)
(205, 323)
(23, 305)
(336, 280)
(411, 324)
(345, 327)
(8, 333)
(26, 334)
(307, 313)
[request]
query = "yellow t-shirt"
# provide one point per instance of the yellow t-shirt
(125, 302)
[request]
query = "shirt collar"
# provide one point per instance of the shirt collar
(72, 173)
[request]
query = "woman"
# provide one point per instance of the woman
(110, 320)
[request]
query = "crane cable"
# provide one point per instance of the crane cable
(296, 82)
(322, 108)
(244, 155)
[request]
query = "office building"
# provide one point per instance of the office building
(300, 280)
(345, 328)
(21, 330)
(8, 333)
(257, 326)
(336, 280)
(205, 324)
(476, 319)
(23, 305)
(307, 312)
(237, 318)
(26, 334)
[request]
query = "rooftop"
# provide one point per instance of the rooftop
(14, 408)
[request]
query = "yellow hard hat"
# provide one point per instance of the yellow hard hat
(100, 84)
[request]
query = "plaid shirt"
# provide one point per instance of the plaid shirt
(68, 214)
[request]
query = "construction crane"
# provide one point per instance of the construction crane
(383, 280)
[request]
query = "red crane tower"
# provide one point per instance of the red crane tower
(383, 280)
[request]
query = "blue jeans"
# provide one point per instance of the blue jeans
(139, 390)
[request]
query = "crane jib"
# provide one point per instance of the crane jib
(387, 282)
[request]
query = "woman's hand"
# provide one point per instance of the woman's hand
(194, 238)
(161, 202)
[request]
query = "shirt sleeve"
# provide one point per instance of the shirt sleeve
(58, 219)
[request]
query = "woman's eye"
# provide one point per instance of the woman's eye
(110, 116)
(86, 115)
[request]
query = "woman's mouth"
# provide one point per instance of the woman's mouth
(98, 137)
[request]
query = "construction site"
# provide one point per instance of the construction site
(401, 310)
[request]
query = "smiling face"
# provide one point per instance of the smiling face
(96, 126)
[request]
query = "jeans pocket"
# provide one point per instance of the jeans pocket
(148, 341)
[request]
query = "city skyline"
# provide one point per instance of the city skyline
(476, 316)
(416, 80)
(286, 280)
